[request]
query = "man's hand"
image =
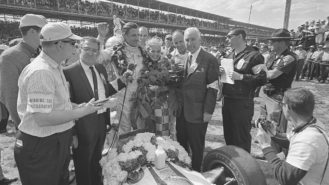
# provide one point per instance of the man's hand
(263, 138)
(111, 103)
(75, 142)
(206, 117)
(90, 107)
(103, 29)
(235, 75)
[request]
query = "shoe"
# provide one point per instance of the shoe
(6, 181)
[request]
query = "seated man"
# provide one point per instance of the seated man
(307, 159)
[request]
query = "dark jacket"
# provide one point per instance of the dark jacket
(243, 64)
(81, 92)
(197, 98)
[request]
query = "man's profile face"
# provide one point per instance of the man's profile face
(192, 41)
(233, 39)
(132, 37)
(178, 41)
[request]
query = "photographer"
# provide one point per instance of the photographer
(307, 159)
(281, 71)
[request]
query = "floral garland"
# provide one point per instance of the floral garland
(120, 59)
(152, 90)
(138, 152)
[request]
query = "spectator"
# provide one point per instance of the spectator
(14, 59)
(324, 64)
(143, 35)
(301, 56)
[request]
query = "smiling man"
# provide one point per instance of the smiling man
(88, 79)
(199, 91)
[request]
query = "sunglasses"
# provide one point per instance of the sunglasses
(72, 42)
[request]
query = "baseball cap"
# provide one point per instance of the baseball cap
(57, 31)
(32, 20)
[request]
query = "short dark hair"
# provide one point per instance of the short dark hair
(25, 29)
(129, 26)
(239, 31)
(90, 39)
(300, 100)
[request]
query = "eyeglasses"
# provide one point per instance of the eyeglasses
(230, 36)
(91, 50)
(72, 42)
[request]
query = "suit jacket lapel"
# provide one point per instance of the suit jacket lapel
(85, 79)
(197, 61)
(103, 75)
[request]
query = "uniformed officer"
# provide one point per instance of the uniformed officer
(281, 69)
(238, 102)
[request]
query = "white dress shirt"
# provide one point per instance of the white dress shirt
(100, 83)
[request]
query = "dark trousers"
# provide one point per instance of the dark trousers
(305, 69)
(237, 116)
(315, 71)
(89, 152)
(4, 115)
(192, 135)
(300, 65)
(43, 160)
(324, 70)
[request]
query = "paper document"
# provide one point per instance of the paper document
(227, 64)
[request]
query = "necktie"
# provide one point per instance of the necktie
(190, 65)
(95, 82)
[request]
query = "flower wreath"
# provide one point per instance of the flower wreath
(120, 60)
(152, 90)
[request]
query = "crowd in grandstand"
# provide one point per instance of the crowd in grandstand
(266, 68)
(125, 11)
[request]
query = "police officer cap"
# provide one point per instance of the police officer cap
(281, 34)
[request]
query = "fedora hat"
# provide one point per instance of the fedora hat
(280, 34)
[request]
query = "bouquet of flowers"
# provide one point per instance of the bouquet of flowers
(152, 90)
(121, 162)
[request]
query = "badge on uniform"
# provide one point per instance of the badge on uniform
(240, 63)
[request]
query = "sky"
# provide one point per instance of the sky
(269, 13)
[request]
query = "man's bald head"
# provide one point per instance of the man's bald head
(192, 38)
(143, 34)
(178, 41)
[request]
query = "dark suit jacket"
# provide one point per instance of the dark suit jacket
(81, 92)
(196, 96)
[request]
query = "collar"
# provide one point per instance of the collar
(48, 60)
(28, 47)
(304, 126)
(195, 54)
(176, 53)
(129, 47)
(85, 66)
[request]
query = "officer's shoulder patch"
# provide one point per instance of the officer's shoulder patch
(288, 59)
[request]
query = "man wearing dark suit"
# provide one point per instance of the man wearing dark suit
(88, 80)
(199, 91)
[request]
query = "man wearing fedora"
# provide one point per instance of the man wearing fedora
(281, 70)
(13, 61)
(42, 147)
